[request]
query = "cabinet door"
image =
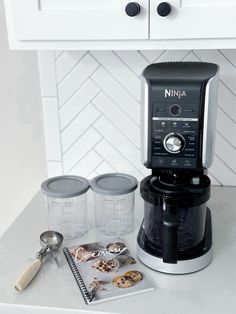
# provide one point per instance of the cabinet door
(77, 20)
(194, 19)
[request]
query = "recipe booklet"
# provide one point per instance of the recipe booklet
(106, 271)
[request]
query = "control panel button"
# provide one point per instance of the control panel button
(186, 125)
(188, 110)
(161, 110)
(187, 163)
(175, 110)
(174, 143)
(160, 160)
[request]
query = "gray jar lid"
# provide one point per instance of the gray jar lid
(65, 186)
(114, 184)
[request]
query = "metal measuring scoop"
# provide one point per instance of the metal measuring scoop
(50, 241)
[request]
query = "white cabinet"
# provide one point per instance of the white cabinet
(194, 19)
(77, 20)
(107, 25)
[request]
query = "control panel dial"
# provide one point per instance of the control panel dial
(175, 110)
(174, 143)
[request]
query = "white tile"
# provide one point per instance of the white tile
(223, 174)
(87, 164)
(173, 55)
(80, 99)
(118, 94)
(151, 55)
(81, 147)
(80, 73)
(213, 179)
(66, 62)
(226, 101)
(191, 57)
(47, 73)
(226, 127)
(114, 137)
(58, 53)
(226, 152)
(55, 168)
(119, 71)
(230, 54)
(52, 129)
(134, 60)
(227, 70)
(78, 126)
(126, 126)
(104, 168)
(91, 175)
(116, 160)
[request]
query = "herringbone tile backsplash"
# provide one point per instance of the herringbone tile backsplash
(91, 102)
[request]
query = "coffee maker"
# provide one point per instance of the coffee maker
(179, 105)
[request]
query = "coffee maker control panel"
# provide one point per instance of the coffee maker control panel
(179, 105)
(175, 135)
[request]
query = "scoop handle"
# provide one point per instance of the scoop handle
(28, 275)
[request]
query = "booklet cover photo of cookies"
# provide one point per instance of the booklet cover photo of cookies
(106, 271)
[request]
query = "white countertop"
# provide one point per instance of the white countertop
(212, 290)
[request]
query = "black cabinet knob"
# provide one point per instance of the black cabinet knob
(132, 9)
(164, 9)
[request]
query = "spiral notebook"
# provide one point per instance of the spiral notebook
(106, 271)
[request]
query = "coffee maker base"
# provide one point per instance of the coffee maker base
(182, 267)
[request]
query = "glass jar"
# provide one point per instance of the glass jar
(114, 203)
(66, 202)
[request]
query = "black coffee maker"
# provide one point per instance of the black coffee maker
(178, 129)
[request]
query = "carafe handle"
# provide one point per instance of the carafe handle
(170, 229)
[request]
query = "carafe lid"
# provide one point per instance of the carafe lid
(65, 186)
(185, 194)
(114, 184)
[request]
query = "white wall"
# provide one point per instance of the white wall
(91, 105)
(22, 151)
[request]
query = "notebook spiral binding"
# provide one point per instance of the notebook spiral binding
(88, 296)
